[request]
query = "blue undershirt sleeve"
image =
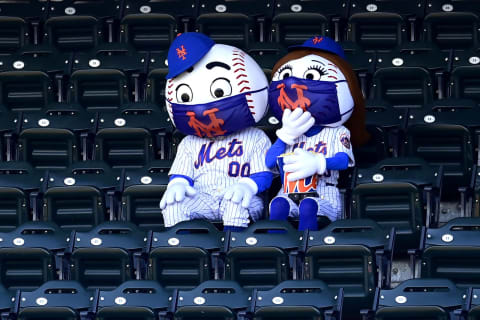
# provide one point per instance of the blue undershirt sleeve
(263, 180)
(173, 176)
(338, 162)
(275, 150)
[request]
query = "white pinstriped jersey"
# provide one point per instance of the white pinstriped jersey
(329, 141)
(215, 164)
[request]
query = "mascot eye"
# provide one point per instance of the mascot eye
(313, 73)
(220, 88)
(184, 93)
(284, 72)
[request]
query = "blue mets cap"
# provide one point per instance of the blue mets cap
(186, 50)
(321, 43)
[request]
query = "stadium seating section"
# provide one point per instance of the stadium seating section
(86, 145)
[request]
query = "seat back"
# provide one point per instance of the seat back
(452, 30)
(451, 253)
(73, 33)
(102, 257)
(13, 32)
(142, 194)
(99, 89)
(180, 257)
(420, 299)
(221, 300)
(299, 299)
(27, 255)
(139, 299)
(391, 204)
(149, 32)
(294, 28)
(258, 258)
(407, 87)
(464, 84)
(235, 29)
(54, 300)
(380, 31)
(25, 90)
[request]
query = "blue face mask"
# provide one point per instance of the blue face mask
(315, 96)
(217, 118)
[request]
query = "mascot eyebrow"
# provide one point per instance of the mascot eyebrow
(217, 64)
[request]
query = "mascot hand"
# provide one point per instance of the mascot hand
(176, 191)
(243, 191)
(294, 124)
(303, 164)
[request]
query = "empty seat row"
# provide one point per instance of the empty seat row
(147, 300)
(240, 23)
(188, 254)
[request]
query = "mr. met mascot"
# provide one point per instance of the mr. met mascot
(215, 94)
(314, 92)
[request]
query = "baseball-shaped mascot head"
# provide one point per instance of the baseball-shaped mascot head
(213, 89)
(316, 77)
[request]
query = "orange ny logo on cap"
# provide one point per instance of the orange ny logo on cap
(317, 40)
(182, 52)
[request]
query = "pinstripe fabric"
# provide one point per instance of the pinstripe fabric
(214, 165)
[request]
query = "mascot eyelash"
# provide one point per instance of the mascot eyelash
(320, 69)
(285, 67)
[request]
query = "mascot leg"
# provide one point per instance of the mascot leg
(237, 218)
(279, 208)
(308, 210)
(200, 206)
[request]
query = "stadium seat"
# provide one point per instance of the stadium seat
(98, 89)
(81, 196)
(376, 31)
(20, 186)
(156, 82)
(443, 138)
(220, 299)
(406, 87)
(5, 300)
(464, 84)
(451, 252)
(133, 137)
(184, 11)
(471, 306)
(103, 257)
(355, 255)
(451, 30)
(13, 31)
(28, 255)
(181, 256)
(298, 299)
(475, 198)
(149, 32)
(417, 299)
(51, 141)
(25, 90)
(258, 258)
(134, 299)
(142, 192)
(395, 192)
(59, 300)
(452, 6)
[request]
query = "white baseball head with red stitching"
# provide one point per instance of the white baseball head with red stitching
(224, 71)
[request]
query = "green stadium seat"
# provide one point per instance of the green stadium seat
(103, 257)
(81, 196)
(417, 299)
(142, 192)
(54, 300)
(376, 31)
(451, 30)
(20, 186)
(149, 32)
(28, 255)
(221, 300)
(51, 141)
(298, 299)
(134, 299)
(355, 255)
(257, 258)
(181, 256)
(451, 252)
(395, 192)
